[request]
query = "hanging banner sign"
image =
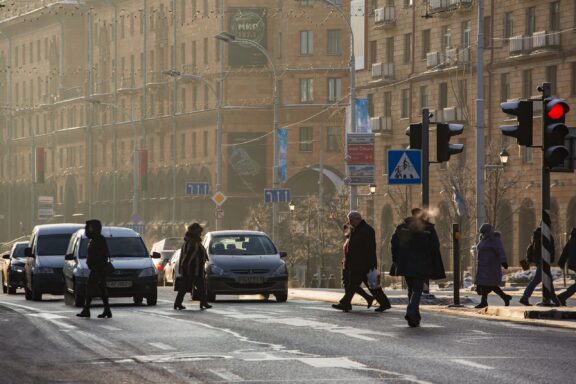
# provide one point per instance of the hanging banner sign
(282, 174)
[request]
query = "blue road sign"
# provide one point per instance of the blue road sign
(404, 167)
(197, 189)
(277, 196)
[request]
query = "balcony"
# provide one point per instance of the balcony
(385, 17)
(439, 6)
(545, 41)
(71, 93)
(102, 88)
(517, 45)
(433, 60)
(156, 78)
(127, 84)
(457, 57)
(453, 114)
(381, 124)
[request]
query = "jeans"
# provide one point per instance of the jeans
(415, 288)
(537, 279)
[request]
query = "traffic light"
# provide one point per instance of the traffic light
(523, 110)
(443, 147)
(415, 133)
(555, 132)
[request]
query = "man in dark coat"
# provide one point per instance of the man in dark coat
(416, 256)
(568, 256)
(534, 256)
(96, 259)
(360, 259)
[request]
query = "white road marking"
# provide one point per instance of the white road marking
(226, 375)
(480, 332)
(423, 325)
(162, 346)
(472, 364)
(109, 328)
(332, 362)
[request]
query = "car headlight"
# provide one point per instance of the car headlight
(147, 272)
(18, 268)
(281, 270)
(215, 270)
(44, 270)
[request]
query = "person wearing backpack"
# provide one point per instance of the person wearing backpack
(568, 256)
(534, 256)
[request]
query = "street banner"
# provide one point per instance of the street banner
(358, 23)
(361, 174)
(282, 155)
(143, 170)
(362, 117)
(360, 148)
(39, 172)
(247, 24)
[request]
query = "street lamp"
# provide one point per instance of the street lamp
(291, 206)
(504, 156)
(177, 74)
(372, 189)
(230, 38)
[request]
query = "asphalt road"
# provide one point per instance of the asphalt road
(252, 341)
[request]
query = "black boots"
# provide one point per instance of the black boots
(179, 306)
(107, 314)
(85, 313)
(204, 304)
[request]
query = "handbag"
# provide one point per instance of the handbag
(373, 279)
(109, 267)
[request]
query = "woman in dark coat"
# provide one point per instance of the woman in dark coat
(491, 258)
(190, 271)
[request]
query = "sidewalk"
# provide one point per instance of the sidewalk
(563, 317)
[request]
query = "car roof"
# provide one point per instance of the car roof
(235, 233)
(114, 232)
(55, 229)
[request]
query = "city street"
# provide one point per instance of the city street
(253, 341)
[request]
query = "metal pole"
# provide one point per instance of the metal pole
(136, 164)
(219, 127)
(425, 158)
(275, 151)
(321, 206)
(456, 255)
(548, 296)
(480, 119)
(32, 173)
(174, 96)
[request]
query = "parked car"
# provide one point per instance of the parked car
(45, 259)
(134, 275)
(13, 272)
(166, 248)
(170, 268)
(244, 262)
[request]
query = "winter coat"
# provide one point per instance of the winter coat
(193, 256)
(361, 256)
(534, 251)
(97, 252)
(569, 252)
(416, 250)
(490, 257)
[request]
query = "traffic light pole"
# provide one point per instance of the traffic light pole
(548, 296)
(425, 158)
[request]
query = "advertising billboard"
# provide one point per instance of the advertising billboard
(246, 162)
(247, 24)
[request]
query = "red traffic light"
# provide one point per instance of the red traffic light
(556, 109)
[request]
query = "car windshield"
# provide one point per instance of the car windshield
(166, 255)
(119, 247)
(52, 245)
(242, 245)
(172, 243)
(19, 251)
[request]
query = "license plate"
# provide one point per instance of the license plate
(250, 280)
(119, 284)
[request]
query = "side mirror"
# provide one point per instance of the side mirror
(28, 252)
(283, 254)
(156, 255)
(6, 256)
(69, 257)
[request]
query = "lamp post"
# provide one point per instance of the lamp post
(230, 38)
(177, 74)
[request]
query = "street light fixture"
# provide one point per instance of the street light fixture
(291, 206)
(504, 156)
(372, 189)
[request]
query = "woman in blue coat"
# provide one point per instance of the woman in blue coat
(491, 258)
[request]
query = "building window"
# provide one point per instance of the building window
(306, 90)
(161, 149)
(530, 21)
(305, 140)
(332, 136)
(423, 96)
(389, 49)
(407, 47)
(334, 89)
(466, 34)
(555, 16)
(334, 42)
(442, 96)
(306, 43)
(504, 87)
(194, 152)
(508, 25)
(306, 3)
(205, 50)
(194, 54)
(463, 93)
(405, 110)
(487, 32)
(205, 140)
(551, 78)
(373, 52)
(526, 83)
(122, 26)
(205, 7)
(573, 79)
(387, 108)
(446, 37)
(386, 148)
(370, 98)
(425, 43)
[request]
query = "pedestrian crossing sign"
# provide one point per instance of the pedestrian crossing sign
(404, 167)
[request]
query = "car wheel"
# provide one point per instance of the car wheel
(36, 293)
(11, 290)
(211, 297)
(138, 300)
(281, 297)
(152, 298)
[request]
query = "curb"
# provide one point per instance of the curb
(521, 316)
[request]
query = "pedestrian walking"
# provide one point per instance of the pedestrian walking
(345, 272)
(190, 270)
(568, 256)
(97, 257)
(360, 259)
(416, 256)
(534, 256)
(491, 258)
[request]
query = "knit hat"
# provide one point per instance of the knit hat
(486, 229)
